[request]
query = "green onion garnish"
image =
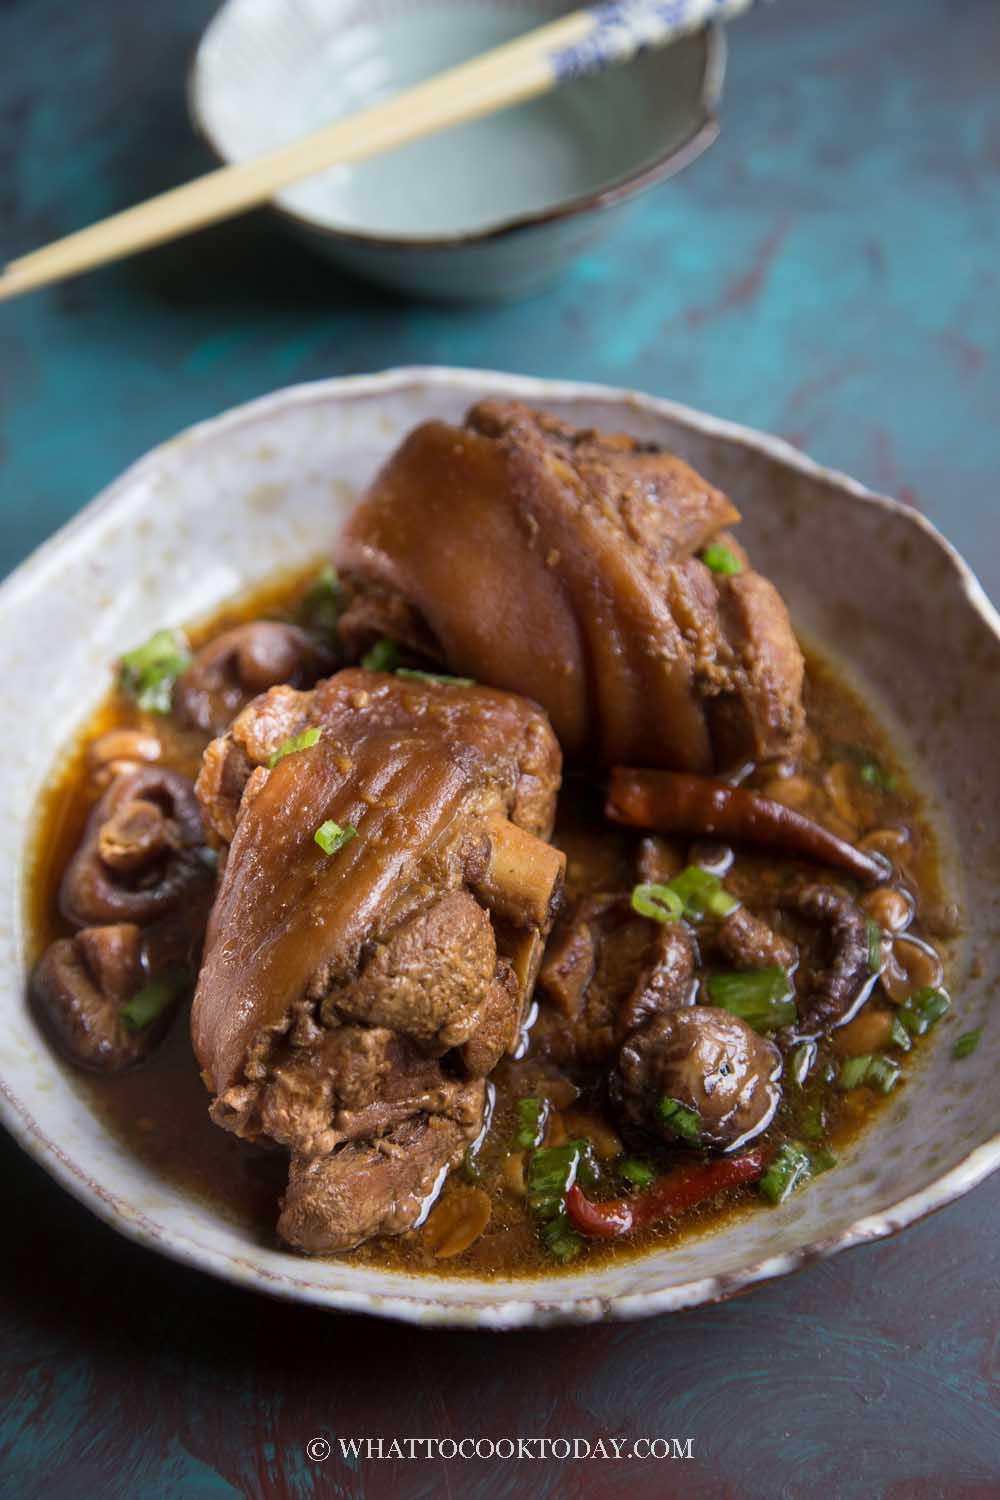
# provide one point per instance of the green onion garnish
(552, 1171)
(764, 998)
(383, 657)
(812, 1123)
(721, 559)
(854, 1071)
(561, 1241)
(679, 1118)
(821, 1160)
(922, 1010)
(787, 1171)
(639, 1173)
(899, 1036)
(438, 677)
(703, 894)
(303, 741)
(530, 1120)
(883, 1074)
(801, 1061)
(151, 1001)
(330, 836)
(872, 1069)
(658, 902)
(148, 673)
(694, 893)
(874, 947)
(875, 775)
(321, 606)
(470, 1168)
(966, 1043)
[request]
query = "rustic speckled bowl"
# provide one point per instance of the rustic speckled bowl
(489, 209)
(264, 487)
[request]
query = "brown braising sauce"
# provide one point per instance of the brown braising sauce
(850, 779)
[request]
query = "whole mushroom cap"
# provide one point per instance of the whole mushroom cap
(708, 1061)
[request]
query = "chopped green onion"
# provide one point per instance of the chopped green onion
(321, 606)
(966, 1043)
(658, 902)
(677, 1117)
(638, 1173)
(303, 741)
(560, 1240)
(872, 1070)
(922, 1010)
(764, 998)
(702, 893)
(440, 677)
(148, 673)
(787, 1171)
(899, 1036)
(552, 1171)
(721, 559)
(853, 1072)
(874, 947)
(530, 1120)
(331, 837)
(383, 657)
(875, 775)
(883, 1074)
(871, 771)
(821, 1160)
(812, 1123)
(151, 1001)
(801, 1061)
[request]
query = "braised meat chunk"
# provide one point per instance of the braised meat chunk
(384, 872)
(375, 1186)
(565, 564)
(607, 970)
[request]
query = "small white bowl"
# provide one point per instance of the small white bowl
(489, 209)
(265, 487)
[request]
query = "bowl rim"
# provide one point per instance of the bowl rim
(704, 133)
(525, 1310)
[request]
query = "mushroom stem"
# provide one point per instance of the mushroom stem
(524, 877)
(137, 834)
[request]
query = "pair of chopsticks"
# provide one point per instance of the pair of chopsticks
(587, 41)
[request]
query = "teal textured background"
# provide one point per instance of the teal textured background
(829, 272)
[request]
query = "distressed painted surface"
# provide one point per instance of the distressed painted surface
(829, 272)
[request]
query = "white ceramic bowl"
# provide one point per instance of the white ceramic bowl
(489, 209)
(266, 486)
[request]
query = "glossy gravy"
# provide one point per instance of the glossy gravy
(159, 1113)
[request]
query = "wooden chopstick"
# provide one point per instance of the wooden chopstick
(584, 41)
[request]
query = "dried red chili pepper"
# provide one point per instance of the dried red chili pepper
(673, 1193)
(674, 802)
